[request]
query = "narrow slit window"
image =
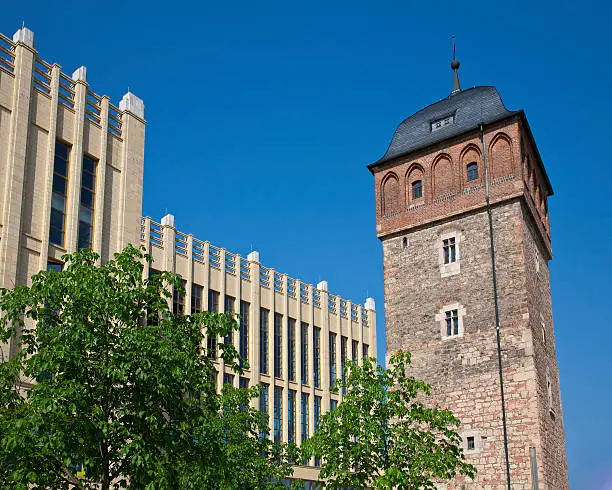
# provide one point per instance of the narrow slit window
(57, 225)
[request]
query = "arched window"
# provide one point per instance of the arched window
(472, 171)
(417, 189)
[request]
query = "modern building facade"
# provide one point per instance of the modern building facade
(71, 172)
(461, 207)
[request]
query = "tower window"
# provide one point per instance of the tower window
(450, 250)
(57, 225)
(472, 171)
(452, 323)
(471, 445)
(405, 242)
(86, 209)
(417, 189)
(543, 334)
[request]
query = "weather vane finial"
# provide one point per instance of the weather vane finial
(455, 68)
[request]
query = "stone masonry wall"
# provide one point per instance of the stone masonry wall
(463, 370)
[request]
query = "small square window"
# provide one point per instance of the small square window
(471, 444)
(405, 242)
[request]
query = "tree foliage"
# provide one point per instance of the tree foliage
(383, 436)
(111, 389)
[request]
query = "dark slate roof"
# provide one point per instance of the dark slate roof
(469, 108)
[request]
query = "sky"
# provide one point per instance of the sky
(262, 117)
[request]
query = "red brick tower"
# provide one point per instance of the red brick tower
(461, 204)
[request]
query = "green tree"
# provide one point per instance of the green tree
(111, 389)
(383, 436)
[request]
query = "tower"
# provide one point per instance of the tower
(461, 211)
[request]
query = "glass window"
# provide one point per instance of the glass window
(343, 357)
(450, 250)
(278, 414)
(58, 196)
(196, 298)
(86, 209)
(304, 352)
(291, 416)
(213, 301)
(332, 358)
(365, 350)
(452, 323)
(354, 350)
(470, 443)
(228, 379)
(305, 416)
(263, 398)
(228, 307)
(243, 348)
(316, 356)
(178, 300)
(333, 404)
(54, 266)
(317, 417)
(263, 340)
(278, 345)
(243, 382)
(472, 171)
(291, 347)
(417, 189)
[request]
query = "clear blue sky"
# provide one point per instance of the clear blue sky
(261, 118)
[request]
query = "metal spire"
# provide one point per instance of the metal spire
(455, 68)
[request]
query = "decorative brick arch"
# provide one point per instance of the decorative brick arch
(471, 154)
(501, 158)
(390, 195)
(443, 176)
(415, 172)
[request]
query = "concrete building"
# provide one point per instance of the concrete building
(461, 208)
(71, 168)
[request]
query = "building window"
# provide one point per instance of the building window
(332, 358)
(543, 334)
(291, 417)
(472, 171)
(471, 443)
(449, 249)
(228, 379)
(86, 209)
(243, 382)
(178, 299)
(213, 301)
(291, 347)
(278, 414)
(354, 350)
(333, 404)
(304, 352)
(263, 398)
(305, 416)
(55, 266)
(365, 348)
(316, 356)
(196, 298)
(405, 242)
(452, 323)
(57, 225)
(228, 307)
(343, 358)
(263, 341)
(278, 345)
(243, 347)
(317, 417)
(417, 189)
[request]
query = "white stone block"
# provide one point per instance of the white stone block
(25, 36)
(370, 304)
(253, 256)
(80, 74)
(168, 220)
(133, 104)
(322, 286)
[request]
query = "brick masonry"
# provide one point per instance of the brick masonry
(463, 370)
